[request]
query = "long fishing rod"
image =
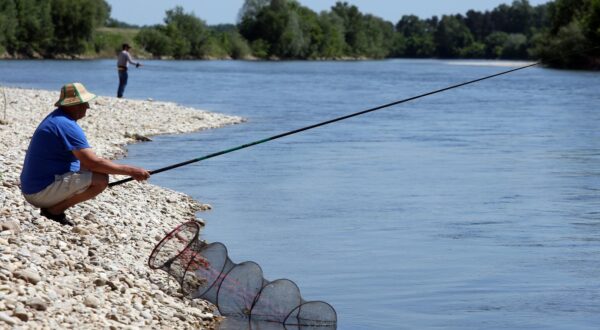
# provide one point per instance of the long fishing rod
(278, 136)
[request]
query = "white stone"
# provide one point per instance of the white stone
(21, 314)
(28, 275)
(7, 319)
(37, 304)
(91, 301)
(10, 225)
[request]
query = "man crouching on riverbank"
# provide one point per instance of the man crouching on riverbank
(60, 168)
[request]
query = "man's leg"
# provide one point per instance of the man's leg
(99, 183)
(122, 83)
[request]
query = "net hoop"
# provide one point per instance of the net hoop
(289, 318)
(173, 234)
(216, 283)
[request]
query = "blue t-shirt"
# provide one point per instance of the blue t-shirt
(50, 152)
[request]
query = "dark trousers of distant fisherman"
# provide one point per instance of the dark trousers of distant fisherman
(123, 76)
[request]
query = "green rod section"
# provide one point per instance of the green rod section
(278, 136)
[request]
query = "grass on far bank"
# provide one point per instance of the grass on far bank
(108, 42)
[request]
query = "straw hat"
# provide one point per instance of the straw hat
(73, 94)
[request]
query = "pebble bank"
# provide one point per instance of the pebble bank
(94, 275)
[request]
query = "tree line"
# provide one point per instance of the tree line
(563, 33)
(49, 28)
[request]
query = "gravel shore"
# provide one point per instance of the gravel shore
(94, 275)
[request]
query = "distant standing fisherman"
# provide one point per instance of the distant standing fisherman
(122, 64)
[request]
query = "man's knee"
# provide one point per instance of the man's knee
(99, 181)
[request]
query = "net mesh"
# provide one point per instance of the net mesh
(238, 290)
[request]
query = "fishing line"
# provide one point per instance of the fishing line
(278, 136)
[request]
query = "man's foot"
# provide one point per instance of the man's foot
(60, 218)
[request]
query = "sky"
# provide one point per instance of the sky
(145, 12)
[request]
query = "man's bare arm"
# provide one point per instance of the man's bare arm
(92, 162)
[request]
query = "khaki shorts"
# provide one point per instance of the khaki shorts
(63, 187)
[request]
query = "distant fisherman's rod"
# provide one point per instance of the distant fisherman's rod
(275, 137)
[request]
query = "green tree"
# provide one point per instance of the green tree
(8, 26)
(398, 46)
(32, 31)
(312, 31)
(567, 49)
(417, 35)
(591, 23)
(541, 17)
(235, 45)
(514, 18)
(285, 29)
(332, 43)
(380, 37)
(494, 44)
(479, 24)
(251, 8)
(186, 36)
(571, 40)
(180, 45)
(267, 26)
(515, 46)
(73, 24)
(292, 43)
(354, 30)
(154, 40)
(212, 48)
(189, 33)
(260, 48)
(451, 36)
(474, 50)
(563, 12)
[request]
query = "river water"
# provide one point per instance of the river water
(478, 208)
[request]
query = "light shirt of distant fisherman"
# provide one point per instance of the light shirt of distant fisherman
(125, 58)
